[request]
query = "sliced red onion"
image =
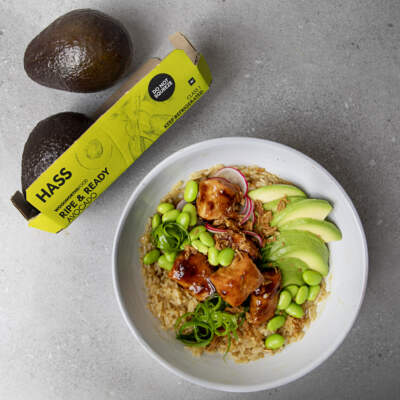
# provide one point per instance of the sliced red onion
(249, 214)
(233, 175)
(212, 287)
(181, 204)
(251, 219)
(213, 229)
(256, 236)
(246, 206)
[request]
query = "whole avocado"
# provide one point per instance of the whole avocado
(49, 139)
(82, 51)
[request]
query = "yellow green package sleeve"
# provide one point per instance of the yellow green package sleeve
(116, 140)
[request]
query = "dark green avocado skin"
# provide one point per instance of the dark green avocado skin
(48, 140)
(82, 51)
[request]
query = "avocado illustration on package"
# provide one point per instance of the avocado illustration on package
(141, 127)
(95, 153)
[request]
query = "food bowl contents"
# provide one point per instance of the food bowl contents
(82, 51)
(235, 261)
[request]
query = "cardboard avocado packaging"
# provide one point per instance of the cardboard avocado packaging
(131, 120)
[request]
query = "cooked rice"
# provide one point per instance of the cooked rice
(168, 301)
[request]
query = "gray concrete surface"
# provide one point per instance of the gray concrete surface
(322, 76)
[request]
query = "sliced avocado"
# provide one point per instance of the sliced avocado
(327, 231)
(308, 208)
(296, 239)
(273, 205)
(82, 51)
(273, 192)
(312, 259)
(48, 140)
(292, 271)
(299, 244)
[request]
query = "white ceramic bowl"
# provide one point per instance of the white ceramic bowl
(346, 282)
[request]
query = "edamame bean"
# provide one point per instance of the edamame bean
(183, 220)
(292, 289)
(294, 310)
(275, 323)
(213, 256)
(191, 191)
(313, 292)
(170, 256)
(202, 248)
(191, 209)
(312, 278)
(170, 216)
(301, 295)
(225, 256)
(195, 232)
(165, 207)
(164, 263)
(156, 220)
(284, 300)
(274, 341)
(151, 257)
(207, 239)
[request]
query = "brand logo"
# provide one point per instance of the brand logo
(161, 87)
(58, 181)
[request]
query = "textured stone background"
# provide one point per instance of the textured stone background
(321, 76)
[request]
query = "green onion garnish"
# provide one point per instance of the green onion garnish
(199, 327)
(169, 236)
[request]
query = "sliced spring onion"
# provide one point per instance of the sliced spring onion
(169, 236)
(199, 327)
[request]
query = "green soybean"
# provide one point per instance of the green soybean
(183, 220)
(213, 256)
(292, 289)
(164, 263)
(284, 300)
(151, 257)
(195, 232)
(225, 256)
(274, 342)
(170, 256)
(155, 221)
(191, 190)
(301, 295)
(313, 292)
(312, 278)
(191, 209)
(165, 207)
(202, 248)
(170, 216)
(275, 323)
(207, 239)
(294, 310)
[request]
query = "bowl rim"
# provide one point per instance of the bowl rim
(191, 378)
